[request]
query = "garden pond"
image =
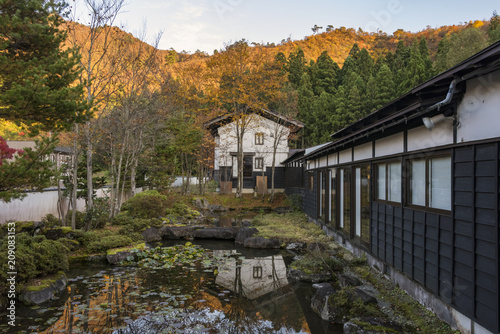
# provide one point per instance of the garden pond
(248, 292)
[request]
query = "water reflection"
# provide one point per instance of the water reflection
(252, 278)
(250, 293)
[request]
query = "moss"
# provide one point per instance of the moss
(289, 227)
(123, 249)
(66, 229)
(72, 259)
(378, 329)
(108, 242)
(43, 283)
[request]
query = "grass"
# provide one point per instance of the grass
(290, 227)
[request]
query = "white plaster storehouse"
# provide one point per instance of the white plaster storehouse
(262, 128)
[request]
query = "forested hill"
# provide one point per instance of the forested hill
(381, 66)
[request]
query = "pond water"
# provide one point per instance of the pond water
(249, 293)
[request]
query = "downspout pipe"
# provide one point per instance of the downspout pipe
(448, 97)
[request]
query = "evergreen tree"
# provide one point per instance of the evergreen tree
(325, 74)
(385, 90)
(37, 74)
(365, 65)
(324, 106)
(296, 67)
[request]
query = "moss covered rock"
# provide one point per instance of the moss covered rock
(40, 291)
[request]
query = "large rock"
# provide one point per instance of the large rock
(226, 233)
(178, 232)
(262, 243)
(217, 208)
(245, 233)
(119, 257)
(151, 234)
(43, 295)
(371, 325)
(319, 302)
(201, 204)
(348, 280)
(299, 275)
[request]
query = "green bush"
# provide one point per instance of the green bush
(51, 221)
(98, 216)
(35, 256)
(139, 225)
(111, 241)
(182, 210)
(147, 204)
(79, 221)
(123, 218)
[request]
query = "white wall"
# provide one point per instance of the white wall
(37, 205)
(421, 138)
(389, 145)
(479, 111)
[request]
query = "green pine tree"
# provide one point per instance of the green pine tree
(37, 74)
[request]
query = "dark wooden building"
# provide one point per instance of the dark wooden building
(415, 186)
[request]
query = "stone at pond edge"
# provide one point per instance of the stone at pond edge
(261, 243)
(348, 280)
(226, 233)
(43, 295)
(319, 302)
(295, 246)
(245, 233)
(118, 257)
(201, 203)
(217, 208)
(178, 232)
(299, 275)
(151, 234)
(371, 325)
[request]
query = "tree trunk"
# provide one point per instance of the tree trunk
(90, 187)
(75, 179)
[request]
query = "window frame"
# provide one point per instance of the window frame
(259, 138)
(387, 183)
(426, 207)
(259, 163)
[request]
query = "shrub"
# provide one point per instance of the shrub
(98, 216)
(80, 219)
(147, 204)
(35, 256)
(111, 241)
(51, 221)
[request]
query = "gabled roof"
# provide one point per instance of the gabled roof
(423, 100)
(226, 118)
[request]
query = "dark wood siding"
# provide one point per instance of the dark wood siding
(454, 256)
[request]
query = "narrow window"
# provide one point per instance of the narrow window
(259, 138)
(259, 163)
(388, 182)
(332, 218)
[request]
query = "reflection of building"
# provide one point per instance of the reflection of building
(253, 278)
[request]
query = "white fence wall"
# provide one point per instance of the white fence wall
(36, 205)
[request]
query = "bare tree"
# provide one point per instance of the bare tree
(101, 61)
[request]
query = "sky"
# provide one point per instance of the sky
(208, 25)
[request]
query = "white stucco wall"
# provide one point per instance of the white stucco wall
(258, 124)
(479, 111)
